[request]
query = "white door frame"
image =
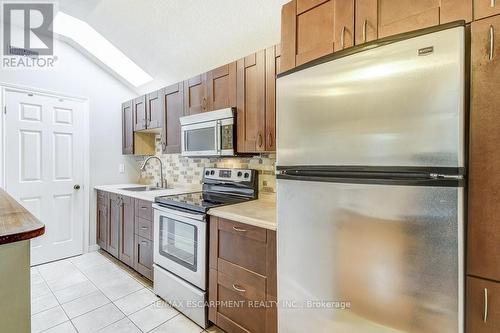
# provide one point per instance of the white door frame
(86, 146)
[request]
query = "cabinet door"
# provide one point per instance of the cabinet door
(114, 224)
(127, 230)
(484, 179)
(143, 258)
(288, 35)
(343, 11)
(485, 8)
(127, 128)
(195, 95)
(139, 111)
(400, 16)
(366, 21)
(102, 221)
(251, 103)
(173, 97)
(154, 109)
(483, 306)
(221, 85)
(273, 57)
(454, 10)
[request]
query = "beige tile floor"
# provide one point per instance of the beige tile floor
(95, 293)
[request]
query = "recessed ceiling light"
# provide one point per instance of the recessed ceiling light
(94, 43)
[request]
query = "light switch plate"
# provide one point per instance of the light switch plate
(121, 168)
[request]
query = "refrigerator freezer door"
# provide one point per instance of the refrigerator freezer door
(369, 258)
(387, 106)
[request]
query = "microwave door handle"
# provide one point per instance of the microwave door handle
(218, 136)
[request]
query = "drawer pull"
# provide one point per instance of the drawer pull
(144, 228)
(144, 208)
(485, 317)
(239, 230)
(238, 288)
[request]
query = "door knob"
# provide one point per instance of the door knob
(76, 187)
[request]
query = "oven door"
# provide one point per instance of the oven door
(180, 244)
(201, 139)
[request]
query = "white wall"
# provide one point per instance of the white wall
(74, 74)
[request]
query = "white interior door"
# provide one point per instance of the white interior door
(43, 165)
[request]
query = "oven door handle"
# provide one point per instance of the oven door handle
(172, 212)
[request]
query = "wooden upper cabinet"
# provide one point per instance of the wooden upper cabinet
(139, 111)
(366, 21)
(311, 29)
(154, 109)
(485, 8)
(221, 86)
(251, 103)
(195, 95)
(454, 10)
(398, 16)
(173, 97)
(127, 128)
(273, 59)
(483, 306)
(484, 179)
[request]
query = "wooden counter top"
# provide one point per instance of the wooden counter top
(16, 223)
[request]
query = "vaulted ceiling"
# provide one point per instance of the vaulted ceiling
(175, 39)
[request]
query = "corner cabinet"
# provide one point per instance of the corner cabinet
(242, 270)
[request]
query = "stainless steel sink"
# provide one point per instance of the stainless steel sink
(144, 188)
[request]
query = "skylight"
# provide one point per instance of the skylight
(94, 43)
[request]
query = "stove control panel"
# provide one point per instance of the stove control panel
(236, 175)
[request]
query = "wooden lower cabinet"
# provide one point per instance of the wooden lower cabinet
(242, 277)
(483, 306)
(124, 229)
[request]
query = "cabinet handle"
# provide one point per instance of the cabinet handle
(239, 230)
(485, 318)
(144, 243)
(238, 288)
(492, 42)
(492, 3)
(365, 23)
(270, 137)
(144, 228)
(204, 103)
(144, 208)
(260, 140)
(342, 37)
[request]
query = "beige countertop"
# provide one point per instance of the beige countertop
(259, 213)
(148, 195)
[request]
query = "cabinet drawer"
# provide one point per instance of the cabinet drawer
(241, 281)
(144, 209)
(483, 302)
(243, 230)
(242, 250)
(144, 228)
(238, 309)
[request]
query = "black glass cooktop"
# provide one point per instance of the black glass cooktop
(199, 201)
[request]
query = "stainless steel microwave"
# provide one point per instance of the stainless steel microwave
(209, 133)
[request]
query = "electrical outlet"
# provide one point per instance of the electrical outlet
(121, 168)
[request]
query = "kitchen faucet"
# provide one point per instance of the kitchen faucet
(143, 167)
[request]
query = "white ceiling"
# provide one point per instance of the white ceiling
(176, 39)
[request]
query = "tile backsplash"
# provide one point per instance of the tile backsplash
(189, 170)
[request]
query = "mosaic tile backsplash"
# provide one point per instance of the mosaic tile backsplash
(189, 170)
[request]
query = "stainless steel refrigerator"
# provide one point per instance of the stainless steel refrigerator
(371, 165)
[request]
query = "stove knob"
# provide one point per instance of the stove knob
(207, 173)
(239, 174)
(212, 172)
(247, 175)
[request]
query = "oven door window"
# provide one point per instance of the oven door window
(200, 139)
(179, 242)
